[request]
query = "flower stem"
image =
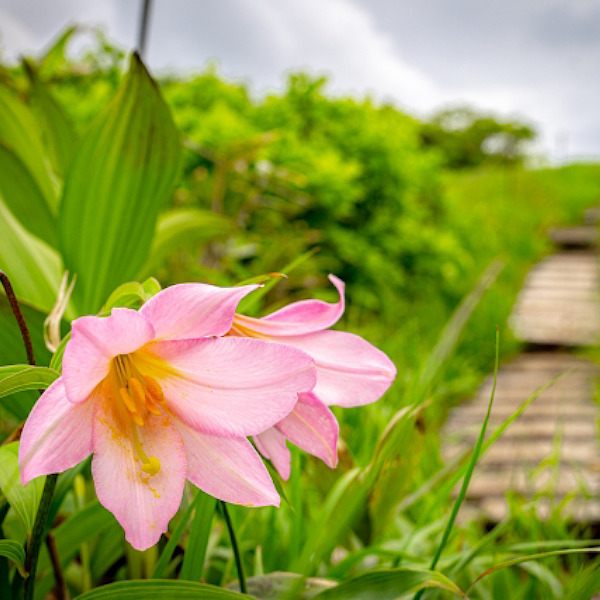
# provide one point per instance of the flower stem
(234, 547)
(16, 309)
(37, 535)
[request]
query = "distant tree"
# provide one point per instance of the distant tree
(468, 138)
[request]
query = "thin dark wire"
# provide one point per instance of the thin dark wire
(146, 8)
(234, 547)
(16, 309)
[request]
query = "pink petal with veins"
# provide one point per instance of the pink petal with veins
(142, 503)
(228, 469)
(271, 444)
(57, 434)
(350, 371)
(94, 341)
(193, 310)
(299, 318)
(232, 387)
(312, 427)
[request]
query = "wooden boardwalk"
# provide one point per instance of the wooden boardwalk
(550, 454)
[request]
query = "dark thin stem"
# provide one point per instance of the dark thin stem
(37, 535)
(234, 547)
(61, 585)
(14, 304)
(147, 5)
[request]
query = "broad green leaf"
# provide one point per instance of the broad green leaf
(22, 195)
(33, 267)
(18, 378)
(19, 131)
(14, 551)
(195, 552)
(151, 287)
(131, 295)
(59, 132)
(183, 227)
(24, 500)
(122, 173)
(389, 584)
(161, 590)
(128, 295)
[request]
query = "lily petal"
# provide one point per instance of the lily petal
(312, 427)
(228, 469)
(244, 386)
(142, 503)
(57, 434)
(94, 341)
(350, 371)
(193, 310)
(271, 445)
(299, 318)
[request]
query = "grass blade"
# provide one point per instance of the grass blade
(521, 559)
(470, 468)
(195, 553)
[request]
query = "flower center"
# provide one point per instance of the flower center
(134, 398)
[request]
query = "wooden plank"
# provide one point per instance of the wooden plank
(551, 452)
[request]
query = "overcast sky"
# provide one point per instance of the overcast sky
(534, 59)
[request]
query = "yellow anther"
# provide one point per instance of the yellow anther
(151, 406)
(139, 392)
(152, 467)
(142, 396)
(127, 400)
(154, 389)
(137, 419)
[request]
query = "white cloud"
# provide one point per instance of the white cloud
(514, 57)
(342, 39)
(15, 37)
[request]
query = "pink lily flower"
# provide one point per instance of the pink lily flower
(158, 396)
(350, 372)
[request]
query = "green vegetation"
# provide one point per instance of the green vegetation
(356, 189)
